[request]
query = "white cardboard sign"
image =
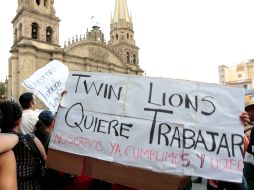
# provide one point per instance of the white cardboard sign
(164, 125)
(48, 83)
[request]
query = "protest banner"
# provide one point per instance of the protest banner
(48, 83)
(163, 125)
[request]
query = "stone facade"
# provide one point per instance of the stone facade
(241, 75)
(36, 42)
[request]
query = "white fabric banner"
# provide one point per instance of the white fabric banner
(48, 83)
(164, 125)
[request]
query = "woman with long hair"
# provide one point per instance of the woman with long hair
(26, 159)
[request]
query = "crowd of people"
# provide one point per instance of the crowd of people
(25, 136)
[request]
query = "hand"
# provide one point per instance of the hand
(245, 118)
(213, 183)
(63, 93)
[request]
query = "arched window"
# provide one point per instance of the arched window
(116, 36)
(134, 59)
(127, 35)
(38, 2)
(128, 57)
(49, 32)
(35, 28)
(15, 35)
(45, 3)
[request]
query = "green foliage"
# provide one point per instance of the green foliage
(2, 90)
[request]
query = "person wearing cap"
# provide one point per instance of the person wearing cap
(53, 179)
(42, 130)
(44, 127)
(10, 122)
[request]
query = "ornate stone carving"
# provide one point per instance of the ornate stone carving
(98, 53)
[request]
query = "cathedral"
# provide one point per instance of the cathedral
(36, 43)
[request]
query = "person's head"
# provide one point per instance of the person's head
(46, 121)
(10, 116)
(249, 107)
(27, 101)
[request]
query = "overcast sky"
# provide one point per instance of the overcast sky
(183, 39)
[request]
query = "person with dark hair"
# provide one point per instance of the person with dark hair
(44, 127)
(30, 116)
(10, 114)
(52, 179)
(42, 130)
(26, 159)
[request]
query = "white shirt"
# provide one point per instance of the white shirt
(29, 119)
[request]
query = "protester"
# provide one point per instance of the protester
(53, 180)
(44, 127)
(30, 116)
(8, 177)
(224, 185)
(249, 108)
(249, 155)
(249, 163)
(26, 159)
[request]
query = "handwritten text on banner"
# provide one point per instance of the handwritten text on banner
(48, 83)
(164, 125)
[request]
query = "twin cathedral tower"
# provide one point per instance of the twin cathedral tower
(36, 42)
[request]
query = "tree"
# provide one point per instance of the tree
(2, 90)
